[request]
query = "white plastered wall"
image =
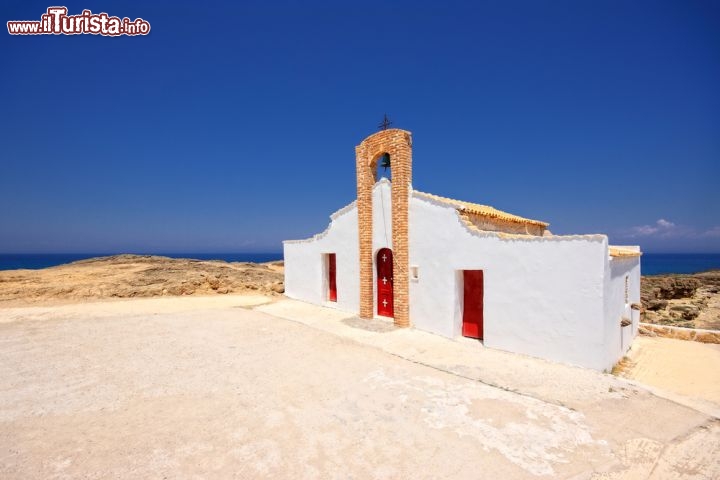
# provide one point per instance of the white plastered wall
(618, 339)
(305, 264)
(382, 226)
(543, 296)
(306, 274)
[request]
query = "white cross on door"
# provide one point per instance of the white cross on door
(384, 257)
(384, 281)
(385, 303)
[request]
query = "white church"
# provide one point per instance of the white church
(455, 268)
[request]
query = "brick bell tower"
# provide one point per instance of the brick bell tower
(398, 145)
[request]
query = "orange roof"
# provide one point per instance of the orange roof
(623, 252)
(483, 210)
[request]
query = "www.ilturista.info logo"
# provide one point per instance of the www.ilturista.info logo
(57, 22)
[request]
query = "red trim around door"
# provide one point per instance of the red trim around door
(473, 292)
(384, 262)
(332, 281)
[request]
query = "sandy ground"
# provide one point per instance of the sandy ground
(690, 369)
(241, 387)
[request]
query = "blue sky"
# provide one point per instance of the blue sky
(232, 125)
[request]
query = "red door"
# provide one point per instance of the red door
(384, 262)
(332, 285)
(472, 304)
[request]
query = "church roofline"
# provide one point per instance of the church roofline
(624, 251)
(482, 210)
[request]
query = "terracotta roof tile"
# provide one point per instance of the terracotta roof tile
(483, 210)
(623, 252)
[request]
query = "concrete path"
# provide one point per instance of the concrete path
(235, 389)
(685, 372)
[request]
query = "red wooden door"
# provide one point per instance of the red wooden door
(384, 261)
(472, 303)
(332, 283)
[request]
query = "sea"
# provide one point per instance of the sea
(651, 263)
(659, 263)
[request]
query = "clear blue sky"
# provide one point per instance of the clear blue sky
(232, 126)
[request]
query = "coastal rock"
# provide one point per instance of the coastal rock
(685, 311)
(213, 282)
(667, 287)
(691, 301)
(655, 304)
(127, 276)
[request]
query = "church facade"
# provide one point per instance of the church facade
(457, 268)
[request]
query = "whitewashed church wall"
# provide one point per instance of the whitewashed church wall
(382, 215)
(306, 274)
(382, 225)
(543, 296)
(618, 339)
(550, 297)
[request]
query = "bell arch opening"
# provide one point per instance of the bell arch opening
(382, 167)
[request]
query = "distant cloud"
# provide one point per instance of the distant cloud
(713, 232)
(643, 231)
(661, 227)
(666, 229)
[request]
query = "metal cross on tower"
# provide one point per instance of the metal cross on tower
(385, 123)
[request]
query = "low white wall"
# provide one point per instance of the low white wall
(543, 296)
(618, 339)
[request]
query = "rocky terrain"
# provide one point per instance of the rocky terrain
(128, 276)
(691, 301)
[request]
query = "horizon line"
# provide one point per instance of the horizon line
(270, 253)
